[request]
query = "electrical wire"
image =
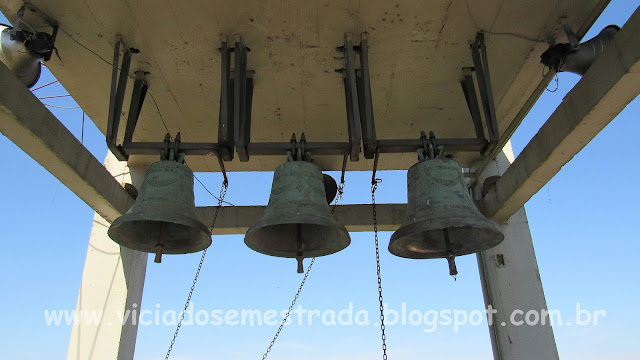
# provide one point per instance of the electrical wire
(41, 86)
(210, 193)
(478, 28)
(61, 107)
(53, 96)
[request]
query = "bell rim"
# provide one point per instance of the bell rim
(201, 242)
(400, 240)
(345, 241)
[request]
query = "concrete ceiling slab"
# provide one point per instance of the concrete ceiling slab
(417, 51)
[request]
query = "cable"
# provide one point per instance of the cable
(475, 25)
(41, 86)
(210, 193)
(159, 113)
(86, 48)
(61, 107)
(53, 96)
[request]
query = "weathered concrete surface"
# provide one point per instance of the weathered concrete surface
(611, 83)
(111, 289)
(28, 123)
(512, 286)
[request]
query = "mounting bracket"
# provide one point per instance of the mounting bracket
(118, 88)
(481, 67)
(357, 89)
(236, 95)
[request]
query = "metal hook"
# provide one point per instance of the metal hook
(375, 167)
(224, 172)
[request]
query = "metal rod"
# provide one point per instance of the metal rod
(118, 88)
(367, 121)
(225, 120)
(222, 169)
(240, 99)
(344, 167)
(299, 255)
(160, 244)
(451, 258)
(411, 145)
(140, 87)
(375, 168)
(479, 54)
(317, 148)
(351, 99)
(469, 90)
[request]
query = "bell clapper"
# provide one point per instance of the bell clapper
(299, 256)
(160, 245)
(451, 258)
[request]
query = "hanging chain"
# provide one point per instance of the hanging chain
(374, 187)
(304, 279)
(223, 192)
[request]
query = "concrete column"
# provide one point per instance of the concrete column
(511, 285)
(111, 289)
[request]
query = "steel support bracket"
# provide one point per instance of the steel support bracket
(481, 67)
(469, 90)
(351, 97)
(367, 122)
(242, 100)
(225, 119)
(118, 88)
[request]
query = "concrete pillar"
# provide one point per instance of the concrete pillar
(511, 285)
(111, 289)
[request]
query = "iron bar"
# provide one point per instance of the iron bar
(118, 87)
(351, 99)
(316, 148)
(365, 103)
(225, 119)
(241, 123)
(469, 90)
(480, 62)
(140, 87)
(411, 145)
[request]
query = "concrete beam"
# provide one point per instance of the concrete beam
(31, 126)
(238, 219)
(611, 83)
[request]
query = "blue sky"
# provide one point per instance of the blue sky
(582, 222)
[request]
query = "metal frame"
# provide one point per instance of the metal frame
(481, 67)
(469, 90)
(351, 97)
(225, 120)
(234, 124)
(118, 88)
(242, 99)
(367, 122)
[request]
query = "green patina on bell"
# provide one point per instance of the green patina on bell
(163, 219)
(297, 222)
(441, 220)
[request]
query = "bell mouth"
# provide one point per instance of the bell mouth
(281, 240)
(415, 241)
(182, 234)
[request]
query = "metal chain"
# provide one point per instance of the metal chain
(304, 279)
(374, 187)
(223, 192)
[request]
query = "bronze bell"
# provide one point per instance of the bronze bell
(297, 222)
(441, 220)
(163, 219)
